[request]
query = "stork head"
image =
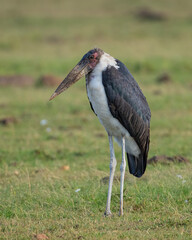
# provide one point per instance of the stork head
(85, 66)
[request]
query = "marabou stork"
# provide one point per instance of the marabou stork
(121, 107)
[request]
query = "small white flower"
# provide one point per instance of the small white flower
(179, 176)
(48, 129)
(184, 181)
(186, 201)
(43, 122)
(78, 190)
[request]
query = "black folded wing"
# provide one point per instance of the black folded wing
(128, 104)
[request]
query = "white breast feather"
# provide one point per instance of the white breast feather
(98, 99)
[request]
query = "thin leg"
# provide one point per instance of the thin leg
(122, 169)
(113, 164)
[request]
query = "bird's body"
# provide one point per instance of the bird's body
(121, 107)
(98, 100)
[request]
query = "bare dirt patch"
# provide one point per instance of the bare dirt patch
(40, 236)
(164, 78)
(16, 80)
(49, 80)
(163, 159)
(7, 121)
(150, 15)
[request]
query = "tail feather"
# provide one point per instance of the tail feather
(132, 164)
(137, 165)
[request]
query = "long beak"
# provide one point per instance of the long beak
(80, 70)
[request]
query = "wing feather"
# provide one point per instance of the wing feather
(128, 104)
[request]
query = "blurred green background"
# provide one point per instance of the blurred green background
(153, 39)
(44, 36)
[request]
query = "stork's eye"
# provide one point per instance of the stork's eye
(91, 57)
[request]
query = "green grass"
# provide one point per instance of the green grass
(36, 195)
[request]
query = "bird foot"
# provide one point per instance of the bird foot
(107, 214)
(120, 212)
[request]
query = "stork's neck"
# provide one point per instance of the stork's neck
(105, 61)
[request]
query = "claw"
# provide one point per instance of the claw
(107, 214)
(121, 212)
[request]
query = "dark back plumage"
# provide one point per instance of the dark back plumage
(128, 104)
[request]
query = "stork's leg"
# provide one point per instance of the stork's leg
(122, 169)
(113, 164)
